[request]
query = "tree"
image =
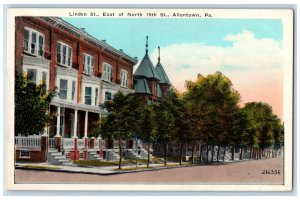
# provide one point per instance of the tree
(121, 122)
(146, 131)
(31, 105)
(264, 125)
(214, 103)
(164, 123)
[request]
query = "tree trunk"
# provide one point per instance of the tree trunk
(207, 153)
(201, 151)
(121, 154)
(224, 154)
(218, 153)
(232, 154)
(260, 153)
(250, 154)
(193, 152)
(148, 161)
(212, 153)
(181, 153)
(241, 154)
(165, 154)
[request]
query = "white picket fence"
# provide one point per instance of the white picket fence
(28, 142)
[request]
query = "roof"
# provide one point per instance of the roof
(141, 86)
(59, 22)
(146, 69)
(162, 74)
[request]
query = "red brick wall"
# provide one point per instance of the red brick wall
(35, 156)
(79, 46)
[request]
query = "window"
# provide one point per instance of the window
(33, 42)
(64, 54)
(124, 75)
(96, 96)
(32, 73)
(107, 96)
(88, 63)
(44, 77)
(63, 89)
(107, 70)
(154, 88)
(73, 90)
(88, 96)
(24, 154)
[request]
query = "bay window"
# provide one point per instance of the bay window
(88, 96)
(32, 75)
(33, 42)
(63, 89)
(64, 54)
(88, 64)
(73, 90)
(107, 96)
(107, 72)
(124, 78)
(96, 96)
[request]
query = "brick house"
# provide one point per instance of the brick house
(86, 71)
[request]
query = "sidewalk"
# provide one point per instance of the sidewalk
(110, 170)
(107, 170)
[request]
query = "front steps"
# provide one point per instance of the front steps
(112, 155)
(93, 155)
(57, 158)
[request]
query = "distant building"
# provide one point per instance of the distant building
(149, 82)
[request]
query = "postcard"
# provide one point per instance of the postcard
(112, 99)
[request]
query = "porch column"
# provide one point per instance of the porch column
(57, 136)
(86, 124)
(75, 152)
(58, 122)
(75, 125)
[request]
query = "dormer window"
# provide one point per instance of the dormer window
(33, 42)
(88, 63)
(64, 54)
(107, 72)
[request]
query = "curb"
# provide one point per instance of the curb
(115, 172)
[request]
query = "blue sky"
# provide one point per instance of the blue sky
(129, 34)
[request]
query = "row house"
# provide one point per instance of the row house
(86, 72)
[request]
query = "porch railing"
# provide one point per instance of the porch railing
(103, 144)
(96, 144)
(68, 143)
(80, 143)
(51, 143)
(28, 142)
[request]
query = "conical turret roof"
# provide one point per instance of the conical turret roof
(146, 68)
(162, 75)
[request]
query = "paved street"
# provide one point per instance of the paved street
(247, 172)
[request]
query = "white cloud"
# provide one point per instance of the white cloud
(245, 57)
